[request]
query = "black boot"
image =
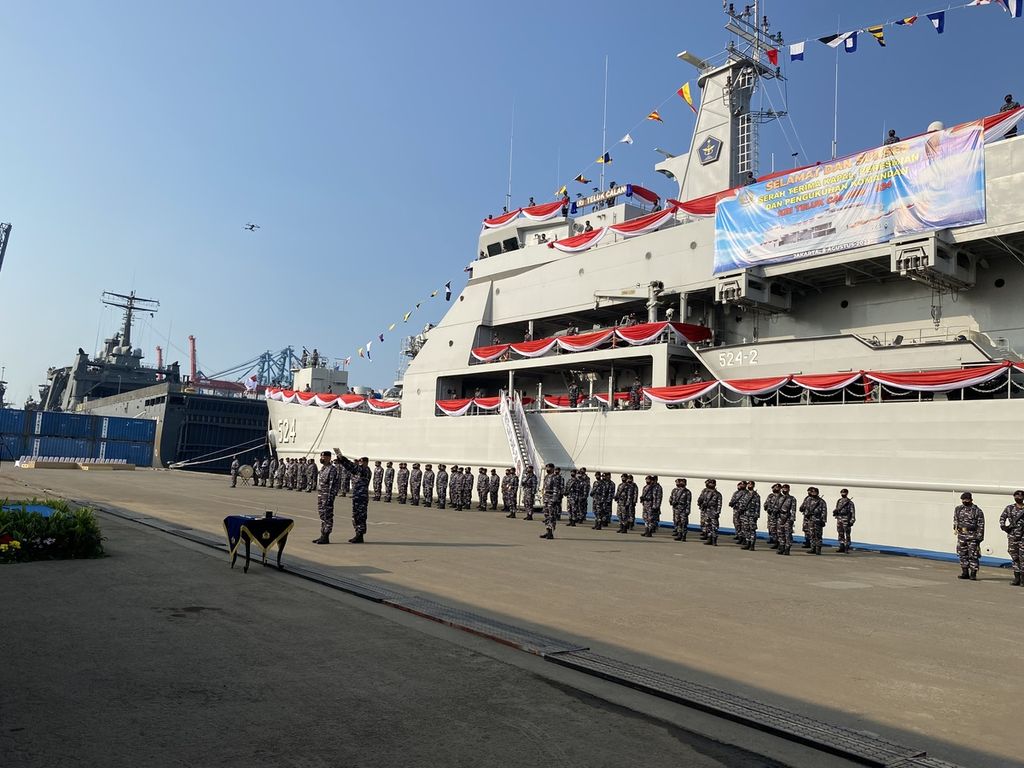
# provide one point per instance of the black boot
(714, 541)
(682, 537)
(677, 536)
(547, 535)
(529, 517)
(709, 541)
(752, 542)
(806, 544)
(357, 539)
(780, 550)
(622, 528)
(974, 575)
(787, 550)
(703, 535)
(773, 544)
(964, 574)
(324, 539)
(1016, 578)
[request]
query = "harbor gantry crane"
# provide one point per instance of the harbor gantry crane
(5, 235)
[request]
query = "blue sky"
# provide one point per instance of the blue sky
(368, 140)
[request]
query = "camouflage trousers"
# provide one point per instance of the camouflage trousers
(403, 492)
(784, 530)
(551, 515)
(844, 526)
(712, 524)
(814, 529)
(359, 503)
(467, 498)
(302, 483)
(749, 523)
(651, 518)
(387, 493)
(528, 497)
(414, 496)
(376, 491)
(325, 509)
(703, 524)
(428, 497)
(737, 522)
(482, 499)
(508, 501)
(442, 495)
(1015, 547)
(234, 479)
(773, 526)
(494, 499)
(572, 506)
(680, 519)
(968, 549)
(603, 513)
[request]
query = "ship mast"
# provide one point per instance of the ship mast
(129, 303)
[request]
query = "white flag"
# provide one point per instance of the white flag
(796, 52)
(627, 139)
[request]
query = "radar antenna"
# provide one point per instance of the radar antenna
(130, 303)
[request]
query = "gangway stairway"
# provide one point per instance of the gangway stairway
(517, 431)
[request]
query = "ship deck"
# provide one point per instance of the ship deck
(878, 643)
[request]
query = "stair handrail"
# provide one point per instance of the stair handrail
(532, 456)
(506, 410)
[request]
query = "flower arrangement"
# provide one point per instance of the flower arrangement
(64, 531)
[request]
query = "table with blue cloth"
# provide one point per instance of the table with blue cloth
(263, 530)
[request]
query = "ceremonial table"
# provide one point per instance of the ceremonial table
(265, 530)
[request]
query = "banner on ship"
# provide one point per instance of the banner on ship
(929, 182)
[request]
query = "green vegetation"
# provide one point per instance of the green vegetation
(70, 532)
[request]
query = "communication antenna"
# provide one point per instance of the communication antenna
(130, 303)
(5, 234)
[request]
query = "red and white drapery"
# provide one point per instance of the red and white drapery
(622, 397)
(643, 224)
(542, 212)
(558, 402)
(579, 243)
(455, 407)
(998, 125)
(489, 354)
(501, 221)
(325, 400)
(487, 403)
(584, 341)
(681, 394)
(645, 333)
(533, 348)
(826, 382)
(938, 381)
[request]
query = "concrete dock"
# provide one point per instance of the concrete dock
(888, 645)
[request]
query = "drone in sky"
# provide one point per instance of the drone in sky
(251, 227)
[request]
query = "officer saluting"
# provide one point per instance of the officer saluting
(969, 527)
(1012, 524)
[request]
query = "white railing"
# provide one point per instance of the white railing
(507, 421)
(524, 429)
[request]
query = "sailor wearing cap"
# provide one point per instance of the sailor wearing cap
(815, 511)
(1008, 105)
(428, 486)
(529, 483)
(403, 482)
(846, 515)
(553, 490)
(442, 485)
(650, 499)
(378, 480)
(415, 479)
(787, 516)
(389, 480)
(710, 505)
(1012, 524)
(771, 506)
(969, 527)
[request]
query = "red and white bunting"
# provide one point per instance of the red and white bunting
(938, 381)
(383, 406)
(579, 242)
(756, 386)
(584, 341)
(998, 125)
(643, 224)
(455, 407)
(827, 382)
(622, 397)
(501, 221)
(545, 211)
(487, 403)
(489, 354)
(558, 402)
(533, 348)
(681, 394)
(644, 333)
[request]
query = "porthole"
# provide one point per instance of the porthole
(461, 297)
(497, 291)
(844, 303)
(451, 343)
(1000, 282)
(693, 245)
(580, 273)
(647, 256)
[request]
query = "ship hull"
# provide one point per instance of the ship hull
(904, 463)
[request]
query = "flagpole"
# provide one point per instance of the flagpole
(835, 106)
(604, 126)
(511, 136)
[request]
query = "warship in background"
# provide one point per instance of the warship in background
(198, 419)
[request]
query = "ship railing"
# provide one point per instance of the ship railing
(520, 416)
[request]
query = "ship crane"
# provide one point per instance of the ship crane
(5, 235)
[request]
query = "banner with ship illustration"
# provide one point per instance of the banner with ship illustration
(933, 181)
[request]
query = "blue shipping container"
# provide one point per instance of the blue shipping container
(12, 422)
(64, 447)
(12, 447)
(127, 430)
(139, 454)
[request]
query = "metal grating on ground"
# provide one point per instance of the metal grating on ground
(861, 747)
(508, 634)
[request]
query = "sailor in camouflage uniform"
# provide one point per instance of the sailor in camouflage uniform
(415, 481)
(378, 480)
(650, 498)
(389, 480)
(442, 486)
(1011, 522)
(280, 473)
(346, 480)
(622, 500)
(302, 478)
(507, 500)
(734, 505)
(602, 493)
(312, 476)
(710, 505)
(554, 488)
(969, 527)
(771, 506)
(467, 488)
(493, 486)
(235, 466)
(529, 483)
(751, 514)
(845, 514)
(786, 518)
(329, 481)
(359, 471)
(679, 500)
(482, 486)
(584, 491)
(428, 485)
(631, 502)
(455, 487)
(403, 482)
(815, 511)
(572, 498)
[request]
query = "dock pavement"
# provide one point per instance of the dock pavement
(881, 644)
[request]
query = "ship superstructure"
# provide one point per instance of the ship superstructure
(888, 367)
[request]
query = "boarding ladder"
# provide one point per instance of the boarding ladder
(517, 431)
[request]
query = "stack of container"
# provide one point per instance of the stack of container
(76, 435)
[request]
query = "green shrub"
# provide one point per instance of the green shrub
(70, 532)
